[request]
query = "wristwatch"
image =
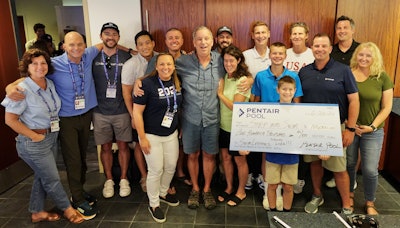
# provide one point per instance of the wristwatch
(373, 128)
(352, 129)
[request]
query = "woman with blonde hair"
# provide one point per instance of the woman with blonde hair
(376, 98)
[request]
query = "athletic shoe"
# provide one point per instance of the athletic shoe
(88, 212)
(312, 206)
(170, 200)
(249, 183)
(331, 183)
(91, 199)
(157, 214)
(347, 211)
(298, 187)
(260, 181)
(124, 188)
(108, 189)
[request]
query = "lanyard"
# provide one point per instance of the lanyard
(81, 74)
(47, 104)
(105, 69)
(166, 95)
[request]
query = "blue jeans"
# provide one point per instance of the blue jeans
(40, 157)
(370, 145)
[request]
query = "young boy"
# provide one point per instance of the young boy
(282, 168)
(264, 90)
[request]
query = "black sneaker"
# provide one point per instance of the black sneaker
(91, 199)
(87, 211)
(157, 214)
(170, 200)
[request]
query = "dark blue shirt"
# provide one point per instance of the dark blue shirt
(330, 85)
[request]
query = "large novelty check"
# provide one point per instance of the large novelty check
(287, 128)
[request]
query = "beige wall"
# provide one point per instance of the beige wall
(39, 11)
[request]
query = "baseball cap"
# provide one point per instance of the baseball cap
(224, 29)
(47, 38)
(109, 25)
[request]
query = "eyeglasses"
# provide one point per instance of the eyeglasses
(108, 63)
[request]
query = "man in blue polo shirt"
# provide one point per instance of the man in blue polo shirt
(328, 81)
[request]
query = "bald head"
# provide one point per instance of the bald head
(74, 46)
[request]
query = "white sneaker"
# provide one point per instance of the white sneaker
(249, 183)
(265, 203)
(279, 203)
(124, 188)
(260, 181)
(108, 190)
(298, 187)
(331, 183)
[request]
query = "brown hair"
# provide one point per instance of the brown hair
(27, 59)
(175, 78)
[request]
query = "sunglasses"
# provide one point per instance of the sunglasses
(108, 63)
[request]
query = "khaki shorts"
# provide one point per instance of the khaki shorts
(277, 173)
(105, 127)
(334, 163)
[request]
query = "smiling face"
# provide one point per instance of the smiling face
(145, 46)
(38, 68)
(230, 63)
(203, 42)
(321, 48)
(277, 55)
(364, 58)
(286, 92)
(74, 46)
(110, 37)
(174, 40)
(224, 40)
(344, 31)
(260, 35)
(165, 66)
(298, 36)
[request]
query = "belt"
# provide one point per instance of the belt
(42, 131)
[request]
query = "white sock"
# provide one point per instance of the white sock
(265, 188)
(279, 190)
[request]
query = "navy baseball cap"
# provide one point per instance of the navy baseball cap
(109, 25)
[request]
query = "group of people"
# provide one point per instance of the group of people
(162, 100)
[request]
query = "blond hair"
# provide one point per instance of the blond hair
(377, 68)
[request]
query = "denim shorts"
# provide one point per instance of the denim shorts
(197, 137)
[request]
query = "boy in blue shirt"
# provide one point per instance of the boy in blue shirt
(282, 168)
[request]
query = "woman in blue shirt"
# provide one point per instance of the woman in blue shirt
(36, 121)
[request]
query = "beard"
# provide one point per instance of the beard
(113, 43)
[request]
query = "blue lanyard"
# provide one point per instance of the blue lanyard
(166, 95)
(81, 74)
(105, 69)
(47, 104)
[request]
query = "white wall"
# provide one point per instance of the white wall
(125, 13)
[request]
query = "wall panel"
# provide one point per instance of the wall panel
(377, 21)
(162, 15)
(319, 15)
(238, 15)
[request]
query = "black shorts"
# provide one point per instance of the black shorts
(225, 140)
